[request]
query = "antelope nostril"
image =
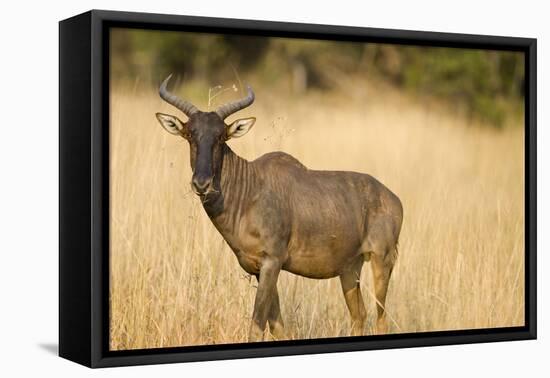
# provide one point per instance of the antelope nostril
(201, 184)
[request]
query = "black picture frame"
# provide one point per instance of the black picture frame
(84, 188)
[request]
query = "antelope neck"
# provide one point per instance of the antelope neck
(235, 184)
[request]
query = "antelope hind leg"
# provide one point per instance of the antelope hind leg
(382, 267)
(354, 300)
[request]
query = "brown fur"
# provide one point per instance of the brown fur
(276, 214)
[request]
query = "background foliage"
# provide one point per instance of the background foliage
(488, 85)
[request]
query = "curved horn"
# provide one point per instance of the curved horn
(226, 110)
(185, 106)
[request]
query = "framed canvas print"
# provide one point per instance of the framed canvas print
(235, 188)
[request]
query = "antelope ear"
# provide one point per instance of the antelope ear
(240, 127)
(171, 123)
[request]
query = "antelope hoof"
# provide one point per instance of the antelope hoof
(357, 329)
(256, 334)
(277, 331)
(381, 326)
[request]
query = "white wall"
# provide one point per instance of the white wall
(28, 200)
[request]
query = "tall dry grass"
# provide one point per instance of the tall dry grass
(175, 282)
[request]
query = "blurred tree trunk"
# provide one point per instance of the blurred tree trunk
(299, 77)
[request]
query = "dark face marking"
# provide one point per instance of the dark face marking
(206, 134)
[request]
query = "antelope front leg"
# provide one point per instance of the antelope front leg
(275, 320)
(267, 286)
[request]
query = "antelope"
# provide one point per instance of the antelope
(275, 214)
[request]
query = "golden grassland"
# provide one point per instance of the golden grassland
(175, 282)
